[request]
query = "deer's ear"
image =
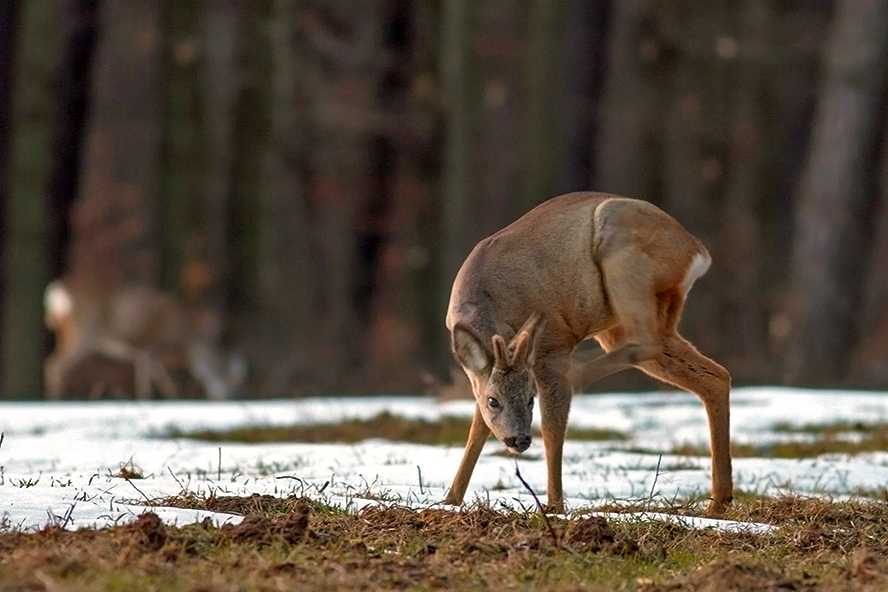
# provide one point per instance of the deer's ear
(469, 351)
(524, 343)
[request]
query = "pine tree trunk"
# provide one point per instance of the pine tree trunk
(288, 272)
(250, 131)
(459, 85)
(9, 26)
(183, 148)
(73, 78)
(24, 255)
(540, 141)
(584, 27)
(496, 55)
(115, 219)
(220, 81)
(836, 196)
(625, 161)
(738, 249)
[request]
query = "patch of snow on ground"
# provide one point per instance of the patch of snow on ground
(59, 461)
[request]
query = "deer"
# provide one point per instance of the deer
(578, 266)
(134, 324)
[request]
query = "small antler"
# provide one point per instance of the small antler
(525, 341)
(501, 359)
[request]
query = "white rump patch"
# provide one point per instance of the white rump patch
(57, 300)
(699, 265)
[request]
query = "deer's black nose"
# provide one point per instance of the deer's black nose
(519, 444)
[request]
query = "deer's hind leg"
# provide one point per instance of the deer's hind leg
(681, 365)
(636, 335)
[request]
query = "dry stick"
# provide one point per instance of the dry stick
(219, 468)
(654, 484)
(540, 506)
(182, 487)
(68, 516)
(418, 470)
(130, 481)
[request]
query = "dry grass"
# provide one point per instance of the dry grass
(812, 440)
(293, 543)
(299, 544)
(447, 430)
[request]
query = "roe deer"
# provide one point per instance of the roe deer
(578, 266)
(135, 324)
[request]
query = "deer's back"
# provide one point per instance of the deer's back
(547, 261)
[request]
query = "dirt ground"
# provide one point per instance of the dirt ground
(297, 544)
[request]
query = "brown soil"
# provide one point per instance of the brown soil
(293, 543)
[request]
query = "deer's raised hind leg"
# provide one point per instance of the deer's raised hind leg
(628, 278)
(478, 435)
(680, 364)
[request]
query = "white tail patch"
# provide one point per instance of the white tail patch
(699, 265)
(57, 301)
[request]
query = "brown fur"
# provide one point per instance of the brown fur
(578, 266)
(135, 325)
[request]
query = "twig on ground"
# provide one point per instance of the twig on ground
(142, 493)
(419, 470)
(654, 484)
(555, 538)
(67, 517)
(182, 487)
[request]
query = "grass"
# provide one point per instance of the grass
(447, 430)
(814, 440)
(295, 543)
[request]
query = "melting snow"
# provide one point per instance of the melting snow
(59, 461)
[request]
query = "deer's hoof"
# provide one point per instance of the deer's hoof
(717, 508)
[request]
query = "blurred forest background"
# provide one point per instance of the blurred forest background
(314, 172)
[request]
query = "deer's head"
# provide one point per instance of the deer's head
(503, 380)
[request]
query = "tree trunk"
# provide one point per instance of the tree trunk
(24, 256)
(9, 26)
(220, 82)
(115, 219)
(540, 145)
(626, 161)
(421, 205)
(584, 27)
(836, 196)
(73, 77)
(458, 78)
(251, 126)
(869, 365)
(738, 248)
(181, 210)
(289, 275)
(496, 54)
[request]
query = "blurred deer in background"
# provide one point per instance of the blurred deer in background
(578, 266)
(137, 325)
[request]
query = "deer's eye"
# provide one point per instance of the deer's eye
(493, 403)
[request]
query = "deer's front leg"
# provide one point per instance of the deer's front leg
(478, 434)
(555, 397)
(58, 364)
